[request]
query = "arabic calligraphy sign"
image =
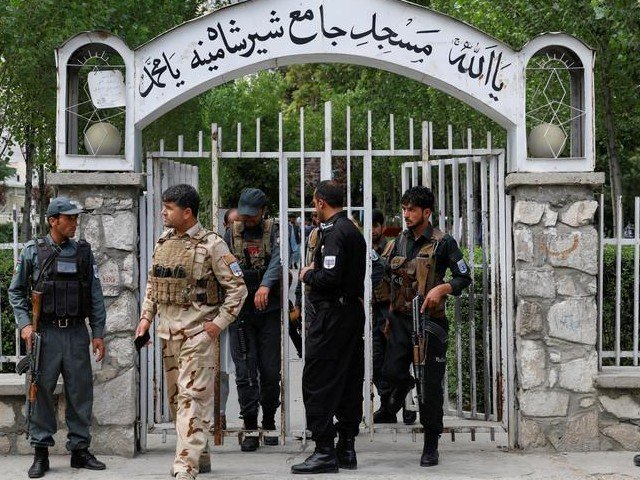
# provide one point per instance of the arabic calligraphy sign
(392, 35)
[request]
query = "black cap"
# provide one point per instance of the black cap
(62, 206)
(251, 200)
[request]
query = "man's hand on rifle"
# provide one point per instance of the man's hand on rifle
(435, 297)
(25, 333)
(98, 348)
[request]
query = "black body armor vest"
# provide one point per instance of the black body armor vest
(65, 282)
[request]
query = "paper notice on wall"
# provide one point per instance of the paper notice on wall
(107, 88)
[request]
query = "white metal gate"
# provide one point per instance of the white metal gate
(469, 187)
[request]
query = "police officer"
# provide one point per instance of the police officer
(195, 286)
(334, 355)
(418, 262)
(255, 338)
(65, 272)
(380, 301)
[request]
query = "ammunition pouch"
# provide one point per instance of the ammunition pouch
(23, 365)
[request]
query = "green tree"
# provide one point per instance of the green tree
(29, 32)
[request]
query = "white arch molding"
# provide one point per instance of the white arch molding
(391, 35)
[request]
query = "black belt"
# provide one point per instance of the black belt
(332, 303)
(63, 322)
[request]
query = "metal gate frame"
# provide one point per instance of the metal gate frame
(503, 398)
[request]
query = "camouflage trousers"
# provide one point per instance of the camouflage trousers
(188, 365)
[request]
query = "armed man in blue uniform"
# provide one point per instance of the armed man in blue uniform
(418, 261)
(255, 337)
(65, 273)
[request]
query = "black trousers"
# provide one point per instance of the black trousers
(333, 373)
(398, 360)
(379, 347)
(257, 372)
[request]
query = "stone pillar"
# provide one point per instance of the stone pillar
(111, 228)
(556, 268)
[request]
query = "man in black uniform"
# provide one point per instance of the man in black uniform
(255, 336)
(334, 352)
(417, 264)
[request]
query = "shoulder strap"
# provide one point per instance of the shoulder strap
(402, 245)
(437, 235)
(236, 239)
(84, 257)
(266, 236)
(388, 248)
(201, 236)
(46, 256)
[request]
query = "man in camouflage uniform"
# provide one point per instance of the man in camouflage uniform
(255, 338)
(196, 287)
(418, 261)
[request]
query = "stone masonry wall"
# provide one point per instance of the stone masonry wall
(556, 255)
(112, 230)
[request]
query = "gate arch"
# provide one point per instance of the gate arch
(392, 35)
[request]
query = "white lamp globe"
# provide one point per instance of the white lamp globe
(102, 139)
(546, 141)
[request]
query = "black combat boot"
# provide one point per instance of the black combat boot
(40, 463)
(269, 424)
(396, 399)
(83, 458)
(323, 460)
(346, 452)
(250, 443)
(409, 417)
(430, 455)
(383, 415)
(636, 460)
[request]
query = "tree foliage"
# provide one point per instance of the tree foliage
(30, 30)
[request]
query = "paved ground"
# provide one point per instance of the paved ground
(383, 458)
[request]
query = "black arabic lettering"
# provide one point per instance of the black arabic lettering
(158, 67)
(390, 36)
(335, 32)
(494, 85)
(197, 61)
(297, 16)
(469, 62)
(253, 37)
(468, 68)
(175, 74)
(231, 48)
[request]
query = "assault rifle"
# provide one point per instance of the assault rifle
(423, 326)
(31, 363)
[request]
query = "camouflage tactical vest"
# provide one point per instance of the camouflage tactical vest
(253, 254)
(382, 291)
(312, 242)
(417, 276)
(179, 274)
